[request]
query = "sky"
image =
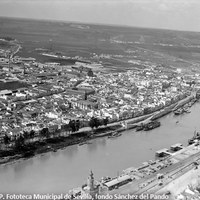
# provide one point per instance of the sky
(167, 14)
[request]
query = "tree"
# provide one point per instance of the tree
(45, 133)
(26, 135)
(105, 121)
(97, 122)
(19, 142)
(77, 125)
(72, 125)
(92, 123)
(6, 139)
(32, 134)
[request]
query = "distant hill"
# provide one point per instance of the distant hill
(179, 48)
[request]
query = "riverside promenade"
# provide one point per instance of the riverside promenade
(145, 118)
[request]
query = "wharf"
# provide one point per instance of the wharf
(171, 168)
(163, 152)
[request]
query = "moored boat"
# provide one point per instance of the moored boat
(103, 134)
(179, 111)
(114, 134)
(85, 142)
(187, 110)
(139, 128)
(151, 125)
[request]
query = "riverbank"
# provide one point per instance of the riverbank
(34, 148)
(69, 167)
(53, 144)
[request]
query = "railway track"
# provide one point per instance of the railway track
(171, 174)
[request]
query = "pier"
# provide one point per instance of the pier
(163, 152)
(176, 147)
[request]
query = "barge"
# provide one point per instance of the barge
(149, 126)
(152, 125)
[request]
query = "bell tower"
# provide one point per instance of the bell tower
(92, 188)
(90, 181)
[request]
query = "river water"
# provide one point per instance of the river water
(57, 172)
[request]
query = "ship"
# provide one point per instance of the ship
(151, 125)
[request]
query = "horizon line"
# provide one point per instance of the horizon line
(97, 23)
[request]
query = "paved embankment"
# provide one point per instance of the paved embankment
(133, 122)
(184, 101)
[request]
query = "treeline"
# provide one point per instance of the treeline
(18, 141)
(96, 122)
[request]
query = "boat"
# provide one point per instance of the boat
(187, 110)
(151, 125)
(139, 128)
(102, 134)
(179, 111)
(85, 142)
(193, 101)
(114, 134)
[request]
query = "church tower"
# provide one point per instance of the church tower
(92, 188)
(90, 181)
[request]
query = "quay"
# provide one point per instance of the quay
(166, 152)
(132, 123)
(152, 175)
(163, 152)
(176, 147)
(178, 164)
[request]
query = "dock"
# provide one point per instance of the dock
(176, 147)
(163, 152)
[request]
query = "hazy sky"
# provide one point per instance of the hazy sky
(170, 14)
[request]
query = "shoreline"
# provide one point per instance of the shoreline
(49, 145)
(53, 144)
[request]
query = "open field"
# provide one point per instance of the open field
(122, 44)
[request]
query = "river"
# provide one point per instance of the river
(57, 172)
